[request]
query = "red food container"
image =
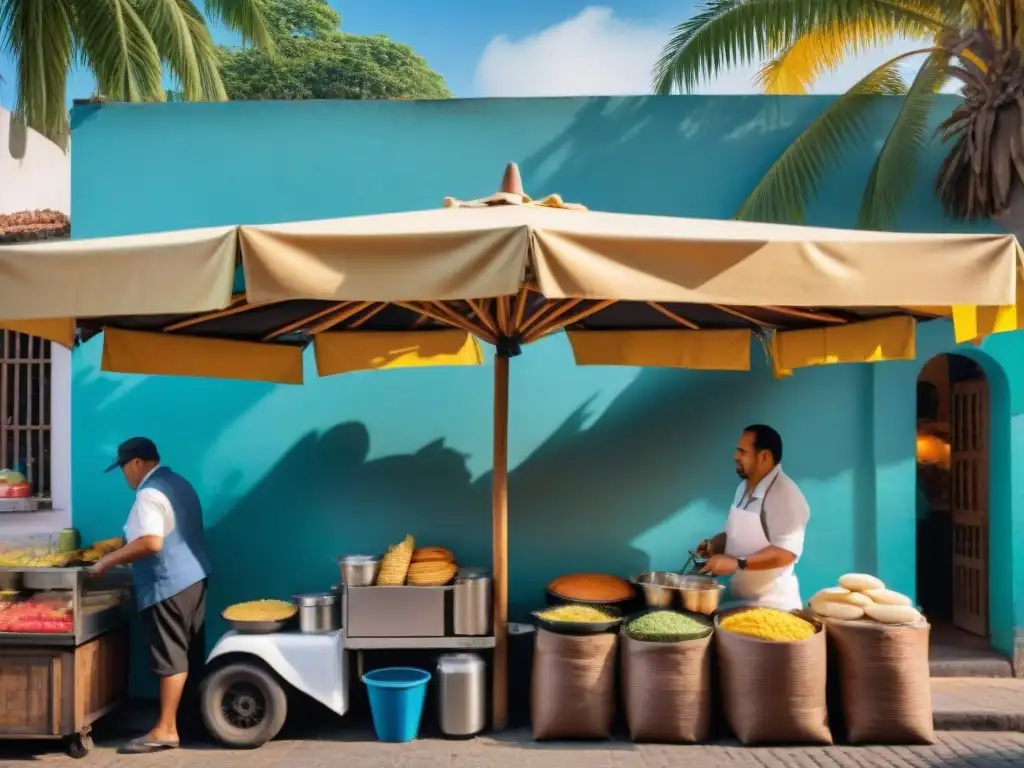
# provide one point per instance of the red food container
(15, 491)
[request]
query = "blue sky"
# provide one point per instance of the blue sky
(523, 48)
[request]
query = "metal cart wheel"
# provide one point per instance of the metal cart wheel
(243, 705)
(80, 745)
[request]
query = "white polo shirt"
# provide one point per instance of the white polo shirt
(151, 514)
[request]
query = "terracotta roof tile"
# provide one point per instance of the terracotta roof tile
(26, 226)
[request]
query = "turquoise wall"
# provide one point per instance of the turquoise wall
(614, 469)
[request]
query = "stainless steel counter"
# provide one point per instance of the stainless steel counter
(418, 643)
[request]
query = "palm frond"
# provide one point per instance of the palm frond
(730, 33)
(793, 180)
(893, 174)
(119, 50)
(819, 52)
(38, 37)
(247, 18)
(182, 39)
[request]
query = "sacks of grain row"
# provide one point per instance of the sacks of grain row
(666, 677)
(882, 659)
(772, 676)
(573, 686)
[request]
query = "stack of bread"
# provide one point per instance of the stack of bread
(431, 567)
(860, 596)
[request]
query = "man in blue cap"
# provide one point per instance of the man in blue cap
(165, 546)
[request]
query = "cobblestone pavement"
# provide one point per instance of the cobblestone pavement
(517, 750)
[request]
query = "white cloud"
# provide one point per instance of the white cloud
(597, 53)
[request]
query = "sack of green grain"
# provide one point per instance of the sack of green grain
(884, 681)
(573, 686)
(666, 677)
(772, 674)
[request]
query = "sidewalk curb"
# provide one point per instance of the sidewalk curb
(978, 721)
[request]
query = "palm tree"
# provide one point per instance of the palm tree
(125, 43)
(978, 42)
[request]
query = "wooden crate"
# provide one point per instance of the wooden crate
(51, 692)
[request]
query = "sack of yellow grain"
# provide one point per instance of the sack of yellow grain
(432, 573)
(432, 554)
(772, 673)
(394, 567)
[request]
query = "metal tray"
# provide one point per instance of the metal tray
(259, 627)
(580, 627)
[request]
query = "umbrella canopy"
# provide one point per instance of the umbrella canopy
(425, 288)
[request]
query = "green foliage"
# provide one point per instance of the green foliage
(316, 60)
(126, 44)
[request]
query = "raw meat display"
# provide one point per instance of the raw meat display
(40, 614)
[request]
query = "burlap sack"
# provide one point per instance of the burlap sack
(666, 689)
(573, 690)
(884, 681)
(773, 692)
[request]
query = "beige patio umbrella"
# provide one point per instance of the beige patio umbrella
(424, 288)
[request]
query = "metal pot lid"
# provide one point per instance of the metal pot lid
(473, 573)
(314, 599)
(460, 662)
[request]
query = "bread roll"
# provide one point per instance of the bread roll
(842, 595)
(860, 582)
(832, 609)
(892, 614)
(888, 597)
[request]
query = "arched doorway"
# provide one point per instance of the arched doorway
(953, 456)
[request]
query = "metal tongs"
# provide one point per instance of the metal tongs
(694, 563)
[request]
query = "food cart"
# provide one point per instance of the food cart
(63, 651)
(244, 698)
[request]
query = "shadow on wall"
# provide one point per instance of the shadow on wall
(624, 490)
(657, 461)
(738, 137)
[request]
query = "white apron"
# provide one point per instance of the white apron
(744, 536)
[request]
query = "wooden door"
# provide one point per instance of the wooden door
(969, 476)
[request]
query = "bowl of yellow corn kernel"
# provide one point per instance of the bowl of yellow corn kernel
(260, 617)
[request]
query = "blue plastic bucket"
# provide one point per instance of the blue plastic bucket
(397, 695)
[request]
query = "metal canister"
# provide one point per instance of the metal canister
(472, 602)
(318, 612)
(462, 694)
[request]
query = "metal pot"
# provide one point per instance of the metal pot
(700, 594)
(359, 570)
(319, 612)
(666, 590)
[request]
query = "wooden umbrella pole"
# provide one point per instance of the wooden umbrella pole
(499, 542)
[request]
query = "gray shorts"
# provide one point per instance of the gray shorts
(174, 631)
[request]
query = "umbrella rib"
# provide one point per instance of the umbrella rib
(520, 307)
(295, 325)
(541, 311)
(458, 322)
(234, 309)
(742, 316)
(372, 313)
(341, 317)
(673, 316)
(553, 326)
(455, 317)
(480, 311)
(504, 313)
(806, 315)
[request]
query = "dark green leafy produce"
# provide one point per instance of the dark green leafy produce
(667, 627)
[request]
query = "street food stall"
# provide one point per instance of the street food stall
(63, 642)
(424, 288)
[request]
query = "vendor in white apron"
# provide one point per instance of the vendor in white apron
(764, 534)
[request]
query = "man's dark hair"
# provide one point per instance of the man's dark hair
(766, 439)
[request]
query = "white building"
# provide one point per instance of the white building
(35, 203)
